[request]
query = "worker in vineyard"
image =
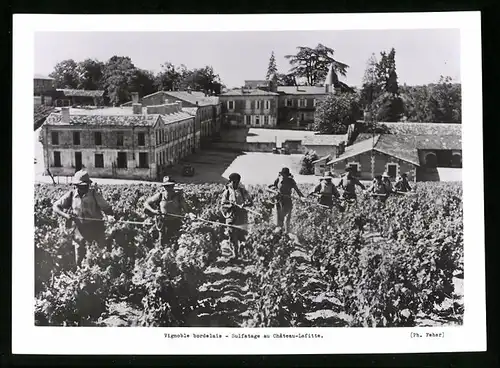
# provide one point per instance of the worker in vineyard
(402, 184)
(348, 184)
(326, 190)
(378, 189)
(282, 187)
(85, 208)
(233, 202)
(387, 182)
(170, 204)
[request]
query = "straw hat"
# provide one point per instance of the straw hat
(167, 181)
(81, 177)
(385, 175)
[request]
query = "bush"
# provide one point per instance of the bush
(306, 163)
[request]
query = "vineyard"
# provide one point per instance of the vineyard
(377, 265)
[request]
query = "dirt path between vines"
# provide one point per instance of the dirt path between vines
(225, 296)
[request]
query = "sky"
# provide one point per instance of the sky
(422, 55)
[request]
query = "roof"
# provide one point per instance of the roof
(191, 97)
(190, 110)
(362, 137)
(324, 158)
(424, 128)
(439, 142)
(41, 112)
(302, 90)
(356, 149)
(324, 140)
(401, 146)
(81, 92)
(114, 118)
(41, 76)
(248, 92)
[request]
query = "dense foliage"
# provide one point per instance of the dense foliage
(373, 265)
(119, 76)
(306, 163)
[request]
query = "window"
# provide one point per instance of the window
(248, 104)
(248, 119)
(119, 139)
(76, 138)
(57, 159)
(268, 104)
(121, 161)
(288, 102)
(314, 102)
(78, 161)
(55, 138)
(141, 139)
(257, 120)
(266, 119)
(354, 166)
(302, 116)
(230, 105)
(99, 160)
(456, 160)
(302, 102)
(257, 104)
(98, 138)
(431, 159)
(392, 170)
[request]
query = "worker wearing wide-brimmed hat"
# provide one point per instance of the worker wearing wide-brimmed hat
(348, 184)
(387, 182)
(402, 184)
(233, 202)
(283, 186)
(171, 206)
(85, 205)
(326, 190)
(378, 189)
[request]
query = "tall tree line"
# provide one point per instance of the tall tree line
(118, 77)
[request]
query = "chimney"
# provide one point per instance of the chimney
(65, 115)
(179, 103)
(137, 108)
(135, 97)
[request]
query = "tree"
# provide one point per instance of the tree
(445, 101)
(65, 74)
(203, 79)
(313, 64)
(170, 77)
(271, 69)
(439, 102)
(335, 113)
(380, 92)
(371, 85)
(306, 163)
(89, 73)
(119, 74)
(143, 81)
(286, 79)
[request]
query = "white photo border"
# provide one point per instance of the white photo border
(30, 339)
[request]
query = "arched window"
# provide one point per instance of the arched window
(431, 159)
(456, 160)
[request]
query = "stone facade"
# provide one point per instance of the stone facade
(106, 148)
(42, 85)
(298, 109)
(381, 163)
(256, 108)
(206, 110)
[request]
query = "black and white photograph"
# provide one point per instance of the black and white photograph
(259, 179)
